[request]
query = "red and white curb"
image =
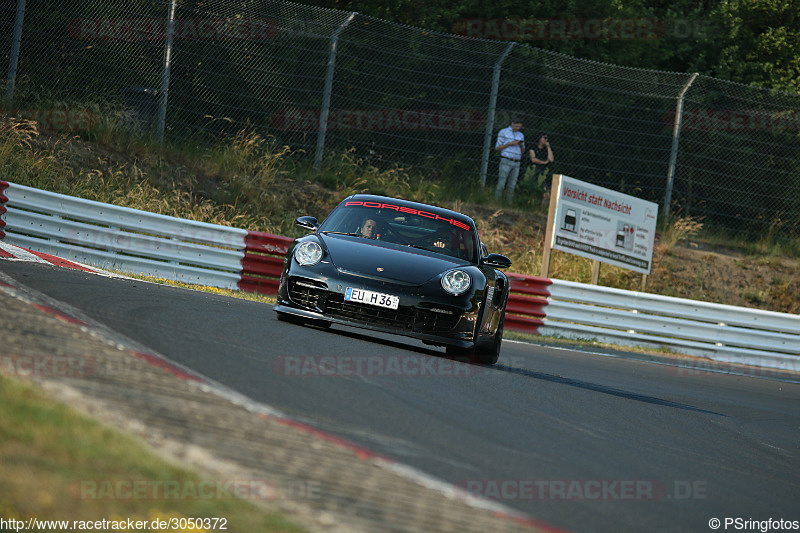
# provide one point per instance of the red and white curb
(10, 252)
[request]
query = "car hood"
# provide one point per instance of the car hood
(363, 257)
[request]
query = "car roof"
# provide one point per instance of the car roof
(449, 213)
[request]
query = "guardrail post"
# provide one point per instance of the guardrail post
(162, 94)
(14, 59)
(673, 157)
(487, 136)
(326, 92)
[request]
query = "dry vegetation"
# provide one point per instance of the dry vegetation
(249, 181)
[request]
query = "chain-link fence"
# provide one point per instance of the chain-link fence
(325, 81)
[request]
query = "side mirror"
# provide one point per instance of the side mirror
(496, 261)
(309, 223)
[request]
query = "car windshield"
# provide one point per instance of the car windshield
(405, 226)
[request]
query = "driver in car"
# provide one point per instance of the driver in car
(369, 229)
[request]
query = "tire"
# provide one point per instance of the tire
(489, 353)
(481, 353)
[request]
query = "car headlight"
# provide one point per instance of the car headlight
(308, 253)
(456, 282)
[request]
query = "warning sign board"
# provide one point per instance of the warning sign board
(602, 224)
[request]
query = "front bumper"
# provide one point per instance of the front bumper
(433, 318)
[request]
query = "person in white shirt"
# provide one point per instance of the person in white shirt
(511, 145)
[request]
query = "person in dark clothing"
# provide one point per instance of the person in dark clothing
(541, 157)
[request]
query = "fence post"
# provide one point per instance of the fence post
(164, 91)
(487, 136)
(673, 156)
(14, 59)
(326, 92)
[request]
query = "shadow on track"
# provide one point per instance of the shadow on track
(354, 332)
(523, 372)
(599, 388)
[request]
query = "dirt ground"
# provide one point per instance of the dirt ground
(701, 272)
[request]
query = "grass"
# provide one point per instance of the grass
(252, 296)
(769, 246)
(247, 180)
(766, 244)
(50, 455)
(678, 230)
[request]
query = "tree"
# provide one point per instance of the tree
(759, 43)
(748, 41)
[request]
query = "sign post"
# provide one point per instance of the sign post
(599, 224)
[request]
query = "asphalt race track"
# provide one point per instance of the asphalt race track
(584, 442)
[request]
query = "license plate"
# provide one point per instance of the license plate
(372, 298)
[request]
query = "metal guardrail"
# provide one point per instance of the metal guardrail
(136, 241)
(123, 239)
(719, 332)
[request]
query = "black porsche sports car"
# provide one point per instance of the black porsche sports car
(399, 267)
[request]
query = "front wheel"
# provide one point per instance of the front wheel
(486, 353)
(489, 353)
